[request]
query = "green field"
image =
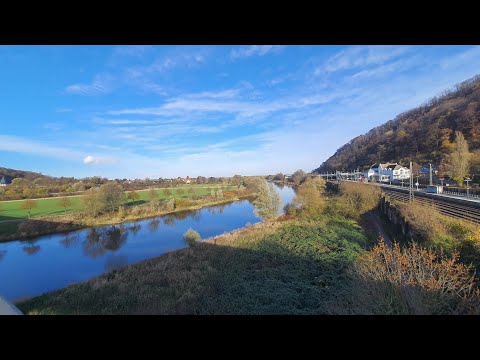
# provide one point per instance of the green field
(47, 207)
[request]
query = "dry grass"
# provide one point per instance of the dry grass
(413, 280)
(442, 232)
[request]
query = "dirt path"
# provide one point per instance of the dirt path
(375, 222)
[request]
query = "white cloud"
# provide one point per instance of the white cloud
(382, 70)
(101, 84)
(255, 50)
(90, 160)
(361, 56)
(96, 160)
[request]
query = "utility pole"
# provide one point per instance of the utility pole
(410, 190)
(431, 181)
(467, 180)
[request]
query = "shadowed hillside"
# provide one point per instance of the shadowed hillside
(424, 134)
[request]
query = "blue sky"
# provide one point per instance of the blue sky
(168, 111)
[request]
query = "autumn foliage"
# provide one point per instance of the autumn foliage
(413, 280)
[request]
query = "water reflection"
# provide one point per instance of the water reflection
(135, 228)
(153, 225)
(98, 241)
(70, 240)
(169, 220)
(82, 254)
(31, 248)
(115, 262)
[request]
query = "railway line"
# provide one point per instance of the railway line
(447, 208)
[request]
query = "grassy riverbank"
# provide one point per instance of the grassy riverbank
(283, 267)
(12, 210)
(60, 223)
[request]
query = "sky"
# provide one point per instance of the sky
(168, 111)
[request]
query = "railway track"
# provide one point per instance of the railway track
(464, 212)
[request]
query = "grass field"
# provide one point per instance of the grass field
(271, 268)
(46, 207)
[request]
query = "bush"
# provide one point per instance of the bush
(191, 237)
(413, 280)
(290, 209)
(357, 199)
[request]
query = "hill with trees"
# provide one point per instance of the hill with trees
(426, 134)
(28, 175)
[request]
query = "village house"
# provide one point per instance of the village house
(4, 181)
(387, 172)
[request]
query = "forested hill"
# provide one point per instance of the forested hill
(424, 134)
(12, 174)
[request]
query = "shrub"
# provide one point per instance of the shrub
(413, 280)
(357, 199)
(290, 209)
(191, 237)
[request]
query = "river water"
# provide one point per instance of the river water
(50, 262)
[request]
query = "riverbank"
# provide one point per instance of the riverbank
(30, 228)
(286, 266)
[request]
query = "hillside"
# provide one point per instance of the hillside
(422, 135)
(12, 174)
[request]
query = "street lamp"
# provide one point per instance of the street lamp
(467, 179)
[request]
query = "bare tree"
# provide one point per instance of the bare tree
(65, 202)
(29, 205)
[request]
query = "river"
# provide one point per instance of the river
(50, 262)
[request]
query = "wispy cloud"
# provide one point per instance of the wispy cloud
(360, 56)
(101, 84)
(465, 57)
(136, 51)
(255, 50)
(382, 70)
(25, 146)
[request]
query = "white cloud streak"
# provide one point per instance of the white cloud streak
(255, 50)
(101, 84)
(360, 56)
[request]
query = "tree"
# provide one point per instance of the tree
(309, 195)
(298, 176)
(19, 182)
(112, 196)
(457, 163)
(470, 115)
(268, 202)
(133, 196)
(92, 202)
(279, 176)
(152, 195)
(29, 205)
(65, 202)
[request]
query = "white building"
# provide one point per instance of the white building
(388, 172)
